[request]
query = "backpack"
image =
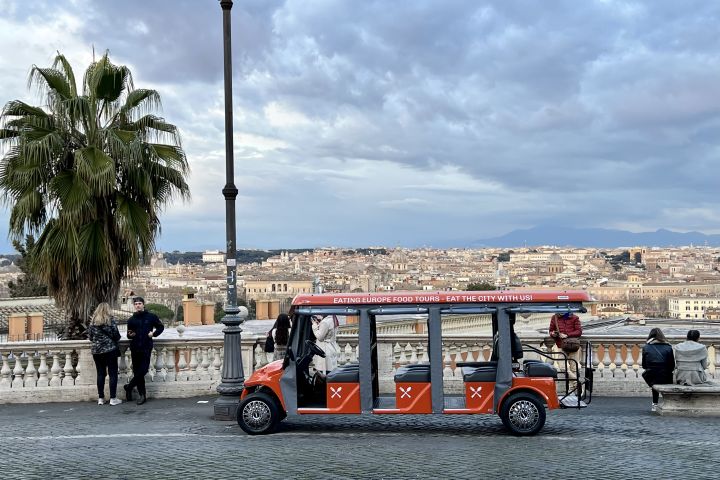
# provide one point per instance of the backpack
(269, 343)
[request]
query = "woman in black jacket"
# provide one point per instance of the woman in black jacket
(658, 361)
(104, 336)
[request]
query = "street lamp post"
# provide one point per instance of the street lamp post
(233, 379)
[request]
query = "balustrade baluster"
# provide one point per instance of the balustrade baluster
(78, 368)
(217, 364)
(457, 371)
(712, 362)
(55, 380)
(342, 359)
(182, 375)
(616, 364)
(348, 352)
(605, 370)
(18, 372)
(67, 378)
(260, 358)
(596, 357)
(424, 357)
(197, 352)
(43, 380)
(628, 363)
(486, 352)
(168, 354)
(474, 352)
(205, 366)
(447, 370)
(122, 367)
(5, 373)
(30, 372)
(402, 359)
(159, 365)
(413, 354)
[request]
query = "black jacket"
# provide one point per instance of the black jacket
(143, 323)
(658, 356)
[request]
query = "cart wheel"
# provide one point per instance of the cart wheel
(523, 414)
(258, 414)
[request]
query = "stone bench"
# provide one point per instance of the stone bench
(695, 400)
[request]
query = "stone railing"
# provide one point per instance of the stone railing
(33, 372)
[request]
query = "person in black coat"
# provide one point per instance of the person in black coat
(658, 361)
(142, 327)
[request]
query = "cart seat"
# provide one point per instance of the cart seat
(344, 374)
(479, 374)
(539, 369)
(414, 373)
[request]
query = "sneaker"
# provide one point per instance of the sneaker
(653, 407)
(101, 401)
(115, 401)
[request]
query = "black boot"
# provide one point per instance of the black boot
(128, 392)
(141, 399)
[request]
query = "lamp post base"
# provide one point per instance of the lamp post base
(225, 407)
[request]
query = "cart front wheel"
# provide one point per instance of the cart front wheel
(258, 414)
(523, 414)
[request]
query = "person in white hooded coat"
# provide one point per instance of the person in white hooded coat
(325, 330)
(691, 360)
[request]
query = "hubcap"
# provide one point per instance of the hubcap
(256, 414)
(524, 415)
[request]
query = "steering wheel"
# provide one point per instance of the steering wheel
(314, 349)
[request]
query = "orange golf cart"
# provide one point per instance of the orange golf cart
(516, 390)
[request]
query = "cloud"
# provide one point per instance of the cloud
(462, 117)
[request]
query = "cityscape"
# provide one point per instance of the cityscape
(681, 283)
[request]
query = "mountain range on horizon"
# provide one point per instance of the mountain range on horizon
(596, 237)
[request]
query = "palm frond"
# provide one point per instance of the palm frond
(72, 193)
(17, 108)
(141, 102)
(64, 66)
(96, 169)
(50, 81)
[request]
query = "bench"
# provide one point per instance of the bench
(694, 400)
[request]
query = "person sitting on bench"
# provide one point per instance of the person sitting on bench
(691, 360)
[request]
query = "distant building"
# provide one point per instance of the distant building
(692, 307)
(213, 256)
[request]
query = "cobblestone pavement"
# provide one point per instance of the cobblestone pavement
(613, 438)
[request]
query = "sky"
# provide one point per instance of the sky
(423, 123)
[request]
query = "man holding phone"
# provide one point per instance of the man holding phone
(142, 327)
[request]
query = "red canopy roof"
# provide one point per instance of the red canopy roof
(415, 297)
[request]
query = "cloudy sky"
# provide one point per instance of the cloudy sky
(412, 123)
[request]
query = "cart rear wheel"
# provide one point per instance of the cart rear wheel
(523, 414)
(258, 414)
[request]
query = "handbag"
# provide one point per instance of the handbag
(567, 344)
(570, 344)
(269, 343)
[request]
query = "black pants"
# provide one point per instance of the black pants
(140, 366)
(106, 362)
(657, 377)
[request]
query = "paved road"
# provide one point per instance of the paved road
(614, 438)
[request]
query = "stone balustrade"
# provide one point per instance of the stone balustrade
(34, 372)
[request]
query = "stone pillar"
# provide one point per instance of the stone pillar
(207, 316)
(16, 327)
(35, 326)
(261, 309)
(273, 309)
(191, 312)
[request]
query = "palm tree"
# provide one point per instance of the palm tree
(89, 174)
